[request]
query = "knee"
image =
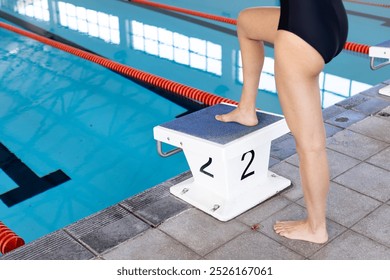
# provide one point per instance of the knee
(310, 146)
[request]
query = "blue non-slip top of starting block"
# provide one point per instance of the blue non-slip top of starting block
(203, 124)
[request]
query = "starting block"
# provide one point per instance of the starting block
(228, 161)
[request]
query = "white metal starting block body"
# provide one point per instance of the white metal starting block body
(228, 161)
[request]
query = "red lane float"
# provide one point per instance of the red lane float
(144, 77)
(368, 3)
(8, 239)
(360, 48)
(355, 47)
(186, 11)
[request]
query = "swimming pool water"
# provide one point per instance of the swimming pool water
(61, 113)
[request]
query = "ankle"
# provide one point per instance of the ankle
(246, 108)
(317, 228)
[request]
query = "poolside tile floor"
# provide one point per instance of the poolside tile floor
(156, 225)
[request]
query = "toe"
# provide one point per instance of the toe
(218, 117)
(278, 229)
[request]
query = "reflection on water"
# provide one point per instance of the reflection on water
(88, 21)
(38, 9)
(194, 52)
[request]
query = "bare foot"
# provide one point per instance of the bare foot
(241, 116)
(301, 230)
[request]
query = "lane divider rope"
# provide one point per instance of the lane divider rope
(351, 46)
(369, 3)
(136, 74)
(359, 48)
(186, 11)
(9, 240)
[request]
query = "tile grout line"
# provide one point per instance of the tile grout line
(82, 243)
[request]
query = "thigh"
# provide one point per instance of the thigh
(297, 67)
(259, 23)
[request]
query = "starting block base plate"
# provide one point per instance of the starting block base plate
(385, 90)
(223, 208)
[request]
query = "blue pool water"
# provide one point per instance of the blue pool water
(64, 115)
(59, 112)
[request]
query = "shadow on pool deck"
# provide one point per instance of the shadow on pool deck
(155, 225)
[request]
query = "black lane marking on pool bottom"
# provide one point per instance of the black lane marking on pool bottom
(29, 183)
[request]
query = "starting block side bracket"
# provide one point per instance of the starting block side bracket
(228, 161)
(380, 51)
(166, 154)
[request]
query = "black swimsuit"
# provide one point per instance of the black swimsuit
(322, 24)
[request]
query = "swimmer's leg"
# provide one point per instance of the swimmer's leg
(297, 67)
(254, 26)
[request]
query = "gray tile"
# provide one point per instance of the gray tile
(374, 127)
(201, 232)
(55, 246)
(346, 118)
(382, 159)
(376, 225)
(372, 91)
(283, 147)
(292, 173)
(180, 178)
(157, 212)
(353, 101)
(346, 206)
(296, 212)
(282, 138)
(114, 233)
(338, 163)
(331, 129)
(372, 106)
(147, 197)
(367, 179)
(264, 210)
(151, 245)
(152, 195)
(253, 246)
(96, 221)
(354, 144)
(352, 246)
(384, 114)
(273, 161)
(332, 111)
(294, 160)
